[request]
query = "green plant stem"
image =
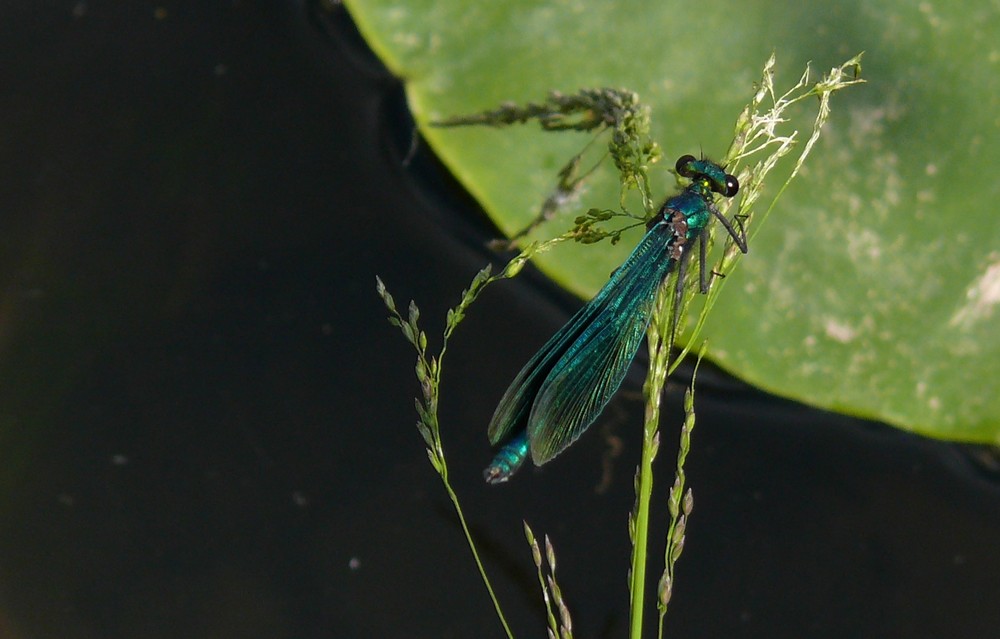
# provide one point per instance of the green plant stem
(644, 491)
(475, 555)
(656, 378)
(443, 471)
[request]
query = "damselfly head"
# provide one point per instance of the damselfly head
(718, 180)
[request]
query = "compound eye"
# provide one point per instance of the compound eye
(732, 186)
(682, 166)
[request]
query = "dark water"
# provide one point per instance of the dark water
(206, 425)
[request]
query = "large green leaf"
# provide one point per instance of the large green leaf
(873, 288)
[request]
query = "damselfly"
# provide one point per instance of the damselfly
(565, 386)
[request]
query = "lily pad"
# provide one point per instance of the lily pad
(874, 287)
